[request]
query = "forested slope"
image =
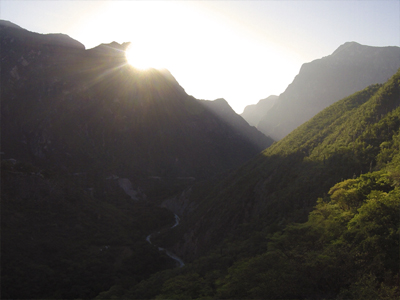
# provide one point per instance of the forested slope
(60, 241)
(78, 128)
(315, 216)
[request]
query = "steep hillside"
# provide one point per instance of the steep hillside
(60, 241)
(90, 146)
(351, 68)
(93, 150)
(285, 180)
(89, 111)
(241, 238)
(222, 110)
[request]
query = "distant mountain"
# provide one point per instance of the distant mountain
(255, 112)
(14, 33)
(321, 82)
(222, 110)
(9, 24)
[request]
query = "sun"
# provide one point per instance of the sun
(143, 57)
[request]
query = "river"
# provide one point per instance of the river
(179, 262)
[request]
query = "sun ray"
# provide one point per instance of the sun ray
(144, 56)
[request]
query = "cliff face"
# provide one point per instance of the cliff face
(322, 82)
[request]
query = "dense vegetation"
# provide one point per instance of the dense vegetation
(315, 216)
(347, 247)
(59, 241)
(74, 122)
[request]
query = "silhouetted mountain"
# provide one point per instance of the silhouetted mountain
(65, 106)
(90, 146)
(15, 35)
(222, 110)
(255, 112)
(9, 24)
(321, 82)
(94, 150)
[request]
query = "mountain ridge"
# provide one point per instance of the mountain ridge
(78, 87)
(94, 150)
(323, 81)
(90, 147)
(255, 112)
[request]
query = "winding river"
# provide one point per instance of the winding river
(179, 262)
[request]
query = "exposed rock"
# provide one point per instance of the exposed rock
(126, 185)
(180, 204)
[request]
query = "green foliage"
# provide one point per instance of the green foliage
(281, 184)
(325, 255)
(60, 241)
(259, 232)
(349, 194)
(347, 157)
(188, 286)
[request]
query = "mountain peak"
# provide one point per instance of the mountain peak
(63, 40)
(354, 48)
(320, 83)
(6, 23)
(111, 47)
(349, 47)
(54, 39)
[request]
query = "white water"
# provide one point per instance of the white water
(179, 261)
(148, 239)
(176, 221)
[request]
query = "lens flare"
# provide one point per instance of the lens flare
(143, 57)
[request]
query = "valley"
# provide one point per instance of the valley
(117, 184)
(179, 261)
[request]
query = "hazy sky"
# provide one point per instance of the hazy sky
(242, 51)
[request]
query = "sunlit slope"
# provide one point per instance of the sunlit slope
(349, 138)
(347, 249)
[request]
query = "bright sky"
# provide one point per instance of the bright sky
(242, 51)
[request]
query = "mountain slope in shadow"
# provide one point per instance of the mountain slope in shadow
(83, 110)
